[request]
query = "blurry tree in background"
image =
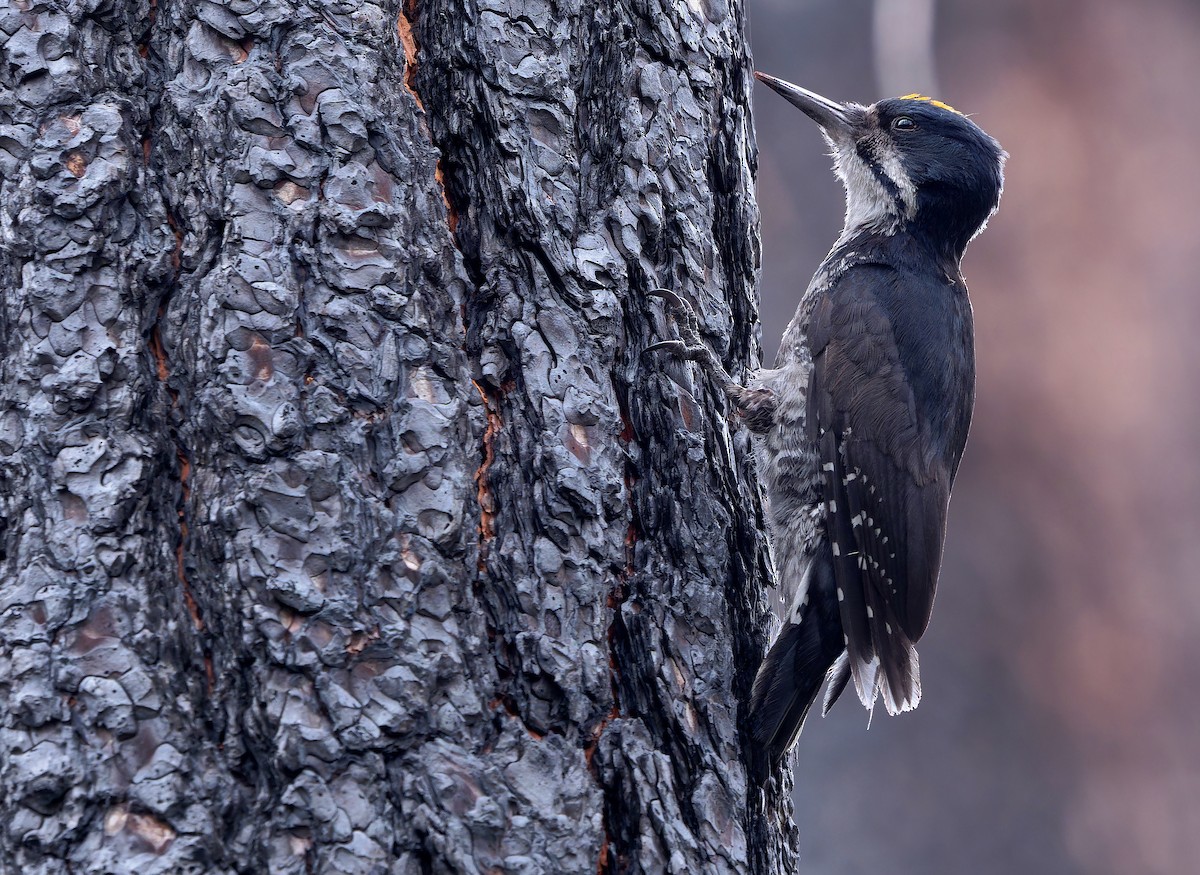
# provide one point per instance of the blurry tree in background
(1058, 732)
(341, 528)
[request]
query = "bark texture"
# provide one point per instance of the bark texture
(342, 526)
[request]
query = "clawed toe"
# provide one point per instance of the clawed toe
(669, 296)
(678, 349)
(682, 312)
(689, 347)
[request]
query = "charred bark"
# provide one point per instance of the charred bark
(342, 526)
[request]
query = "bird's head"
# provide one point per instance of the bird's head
(908, 162)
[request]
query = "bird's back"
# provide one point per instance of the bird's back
(858, 471)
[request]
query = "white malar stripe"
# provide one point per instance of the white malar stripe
(889, 160)
(868, 204)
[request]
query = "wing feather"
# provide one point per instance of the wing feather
(885, 491)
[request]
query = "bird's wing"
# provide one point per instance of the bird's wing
(886, 493)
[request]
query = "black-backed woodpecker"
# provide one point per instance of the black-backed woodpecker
(864, 417)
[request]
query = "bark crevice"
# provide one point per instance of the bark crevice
(351, 531)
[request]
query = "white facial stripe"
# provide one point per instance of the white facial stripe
(869, 206)
(889, 159)
(869, 203)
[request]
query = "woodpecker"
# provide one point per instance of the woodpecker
(863, 419)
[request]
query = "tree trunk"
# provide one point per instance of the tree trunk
(343, 528)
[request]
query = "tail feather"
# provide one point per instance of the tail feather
(898, 670)
(839, 676)
(785, 688)
(797, 664)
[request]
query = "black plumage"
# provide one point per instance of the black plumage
(884, 341)
(892, 389)
(864, 417)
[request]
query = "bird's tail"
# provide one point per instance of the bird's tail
(803, 654)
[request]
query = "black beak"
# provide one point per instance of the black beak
(830, 115)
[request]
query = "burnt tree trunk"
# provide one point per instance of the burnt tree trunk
(343, 528)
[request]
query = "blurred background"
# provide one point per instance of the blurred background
(1060, 729)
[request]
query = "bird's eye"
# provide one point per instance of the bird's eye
(904, 123)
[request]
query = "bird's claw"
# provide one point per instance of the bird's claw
(669, 296)
(685, 318)
(757, 405)
(679, 349)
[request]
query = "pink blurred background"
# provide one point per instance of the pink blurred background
(1060, 729)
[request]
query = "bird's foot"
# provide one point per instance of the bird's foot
(689, 346)
(756, 405)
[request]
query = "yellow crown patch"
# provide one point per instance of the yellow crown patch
(930, 100)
